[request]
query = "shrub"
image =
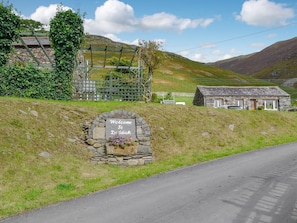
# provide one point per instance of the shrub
(168, 96)
(155, 98)
(26, 81)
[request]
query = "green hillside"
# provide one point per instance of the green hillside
(175, 74)
(276, 63)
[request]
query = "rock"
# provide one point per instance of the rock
(91, 149)
(72, 140)
(50, 135)
(98, 133)
(45, 155)
(35, 113)
(132, 162)
(144, 149)
(23, 112)
(231, 127)
(205, 134)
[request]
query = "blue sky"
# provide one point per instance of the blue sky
(204, 31)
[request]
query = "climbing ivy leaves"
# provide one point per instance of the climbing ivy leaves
(9, 28)
(66, 35)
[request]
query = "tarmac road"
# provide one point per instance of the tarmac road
(254, 187)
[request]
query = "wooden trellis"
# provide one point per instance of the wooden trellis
(131, 88)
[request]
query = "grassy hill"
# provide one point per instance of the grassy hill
(181, 135)
(176, 73)
(276, 63)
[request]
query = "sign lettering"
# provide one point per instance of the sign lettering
(122, 127)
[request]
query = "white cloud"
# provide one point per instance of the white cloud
(258, 45)
(199, 57)
(208, 45)
(271, 35)
(44, 14)
(265, 13)
(113, 37)
(166, 21)
(210, 55)
(114, 17)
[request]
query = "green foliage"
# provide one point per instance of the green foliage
(119, 76)
(150, 54)
(168, 96)
(65, 187)
(123, 62)
(29, 25)
(9, 27)
(66, 35)
(26, 81)
(155, 98)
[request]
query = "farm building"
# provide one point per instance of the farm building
(243, 97)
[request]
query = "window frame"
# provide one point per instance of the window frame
(273, 104)
(218, 101)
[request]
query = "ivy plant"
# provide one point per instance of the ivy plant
(9, 28)
(66, 35)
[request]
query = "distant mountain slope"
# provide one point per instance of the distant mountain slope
(277, 61)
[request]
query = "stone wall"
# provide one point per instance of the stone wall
(22, 55)
(105, 153)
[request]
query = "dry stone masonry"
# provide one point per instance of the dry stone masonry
(116, 126)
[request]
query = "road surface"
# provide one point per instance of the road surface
(254, 187)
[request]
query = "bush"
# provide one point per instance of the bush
(261, 107)
(26, 81)
(168, 96)
(155, 98)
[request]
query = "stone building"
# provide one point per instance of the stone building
(33, 49)
(242, 97)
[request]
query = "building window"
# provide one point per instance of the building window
(239, 102)
(218, 103)
(270, 105)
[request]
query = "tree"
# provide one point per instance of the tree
(150, 54)
(30, 25)
(9, 28)
(66, 35)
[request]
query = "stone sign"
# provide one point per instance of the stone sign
(121, 123)
(121, 127)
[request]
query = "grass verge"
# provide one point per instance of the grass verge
(181, 136)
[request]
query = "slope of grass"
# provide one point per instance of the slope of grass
(181, 135)
(175, 74)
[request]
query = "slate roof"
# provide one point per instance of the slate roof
(242, 91)
(31, 41)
